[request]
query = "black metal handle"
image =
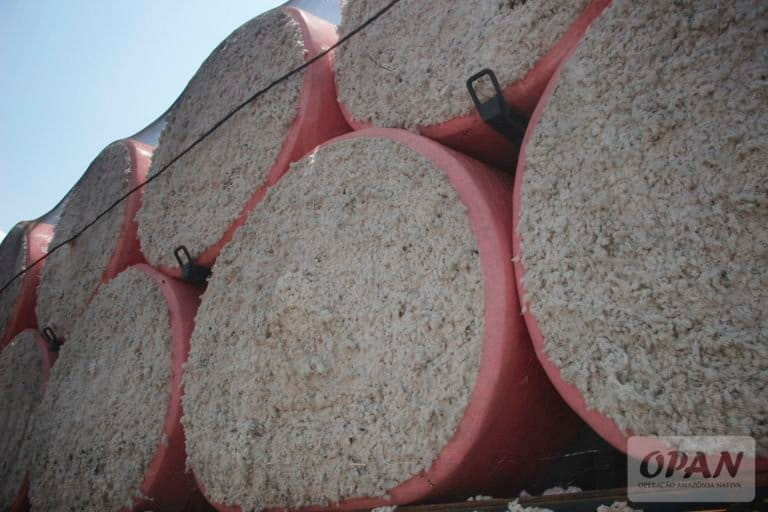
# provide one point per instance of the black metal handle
(495, 104)
(54, 342)
(496, 112)
(190, 271)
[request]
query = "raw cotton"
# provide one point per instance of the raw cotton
(616, 506)
(21, 380)
(201, 194)
(339, 339)
(644, 214)
(72, 274)
(560, 490)
(514, 506)
(102, 417)
(410, 67)
(13, 258)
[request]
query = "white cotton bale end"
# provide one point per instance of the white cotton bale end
(360, 339)
(205, 196)
(24, 369)
(25, 244)
(73, 273)
(641, 222)
(409, 68)
(108, 434)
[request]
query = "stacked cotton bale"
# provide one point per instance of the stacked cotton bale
(73, 273)
(409, 69)
(12, 261)
(206, 194)
(361, 338)
(642, 217)
(24, 367)
(26, 243)
(108, 434)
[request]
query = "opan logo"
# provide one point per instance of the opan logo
(691, 469)
(657, 462)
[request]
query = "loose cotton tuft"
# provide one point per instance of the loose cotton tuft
(338, 342)
(616, 506)
(643, 218)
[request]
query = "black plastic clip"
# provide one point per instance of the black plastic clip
(54, 342)
(496, 112)
(190, 272)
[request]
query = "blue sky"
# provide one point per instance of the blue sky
(77, 75)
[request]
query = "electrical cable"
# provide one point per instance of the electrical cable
(202, 137)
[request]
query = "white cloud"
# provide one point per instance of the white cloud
(2, 235)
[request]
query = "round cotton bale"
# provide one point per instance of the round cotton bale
(109, 432)
(641, 222)
(74, 271)
(25, 365)
(26, 243)
(409, 69)
(361, 342)
(205, 195)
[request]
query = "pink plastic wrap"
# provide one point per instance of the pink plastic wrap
(167, 485)
(47, 357)
(471, 135)
(604, 426)
(318, 119)
(38, 236)
(127, 251)
(514, 415)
